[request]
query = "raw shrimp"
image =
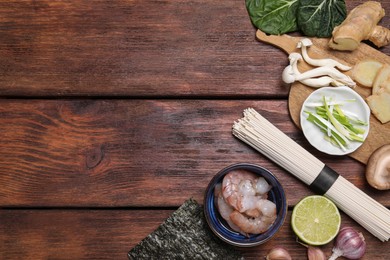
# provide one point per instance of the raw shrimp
(242, 202)
(256, 206)
(258, 224)
(250, 225)
(262, 186)
(224, 209)
(242, 189)
(267, 208)
(237, 184)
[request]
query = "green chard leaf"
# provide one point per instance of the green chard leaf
(273, 16)
(319, 17)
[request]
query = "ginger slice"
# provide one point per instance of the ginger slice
(381, 79)
(386, 85)
(365, 72)
(380, 105)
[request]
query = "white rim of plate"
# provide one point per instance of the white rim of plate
(312, 132)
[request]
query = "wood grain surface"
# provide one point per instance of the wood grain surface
(66, 153)
(119, 230)
(113, 113)
(137, 48)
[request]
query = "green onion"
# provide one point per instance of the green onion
(331, 133)
(340, 127)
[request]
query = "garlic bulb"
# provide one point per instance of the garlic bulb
(349, 243)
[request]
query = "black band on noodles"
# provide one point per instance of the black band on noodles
(324, 180)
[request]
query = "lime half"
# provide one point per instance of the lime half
(316, 220)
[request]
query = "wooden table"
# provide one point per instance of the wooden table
(113, 113)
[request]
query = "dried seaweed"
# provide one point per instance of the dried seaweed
(184, 235)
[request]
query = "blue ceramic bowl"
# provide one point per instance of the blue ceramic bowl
(219, 226)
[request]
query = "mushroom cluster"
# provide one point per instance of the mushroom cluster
(326, 73)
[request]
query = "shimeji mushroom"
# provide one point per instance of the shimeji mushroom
(306, 42)
(313, 82)
(317, 77)
(378, 168)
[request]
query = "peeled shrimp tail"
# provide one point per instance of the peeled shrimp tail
(248, 224)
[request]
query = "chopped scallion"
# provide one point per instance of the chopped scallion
(340, 127)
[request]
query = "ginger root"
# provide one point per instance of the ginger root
(361, 24)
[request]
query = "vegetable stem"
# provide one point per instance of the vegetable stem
(340, 127)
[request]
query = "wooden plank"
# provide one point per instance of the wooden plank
(110, 234)
(134, 48)
(74, 234)
(137, 48)
(109, 153)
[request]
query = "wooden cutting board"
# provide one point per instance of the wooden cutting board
(379, 133)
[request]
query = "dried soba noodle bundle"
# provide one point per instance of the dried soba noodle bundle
(259, 133)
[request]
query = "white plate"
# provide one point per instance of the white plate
(313, 133)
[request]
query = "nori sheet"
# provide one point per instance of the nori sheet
(184, 235)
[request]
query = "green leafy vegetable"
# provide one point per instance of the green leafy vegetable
(312, 17)
(273, 16)
(319, 17)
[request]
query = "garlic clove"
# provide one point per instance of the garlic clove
(278, 253)
(315, 253)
